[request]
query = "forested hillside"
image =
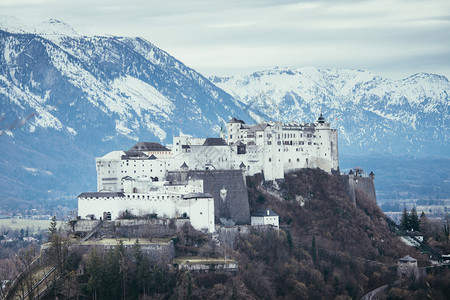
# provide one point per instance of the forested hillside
(327, 248)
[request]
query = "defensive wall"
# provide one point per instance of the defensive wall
(228, 189)
(360, 183)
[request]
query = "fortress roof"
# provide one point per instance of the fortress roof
(101, 194)
(258, 127)
(234, 120)
(321, 119)
(214, 142)
(263, 212)
(134, 155)
(148, 146)
(197, 195)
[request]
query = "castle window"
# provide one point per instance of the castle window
(270, 159)
(289, 160)
(298, 159)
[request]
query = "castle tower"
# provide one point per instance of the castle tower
(184, 171)
(372, 175)
(233, 129)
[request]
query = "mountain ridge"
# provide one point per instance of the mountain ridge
(68, 99)
(366, 108)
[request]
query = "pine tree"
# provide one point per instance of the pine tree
(52, 229)
(404, 221)
(414, 220)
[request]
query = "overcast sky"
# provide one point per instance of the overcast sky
(391, 38)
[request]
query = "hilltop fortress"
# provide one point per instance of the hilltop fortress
(204, 178)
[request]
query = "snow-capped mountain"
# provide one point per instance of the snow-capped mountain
(67, 98)
(373, 114)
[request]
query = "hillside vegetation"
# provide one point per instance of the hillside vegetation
(330, 247)
(327, 248)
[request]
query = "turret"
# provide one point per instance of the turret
(184, 171)
(372, 175)
(321, 119)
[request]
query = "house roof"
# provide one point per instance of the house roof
(407, 258)
(101, 194)
(264, 212)
(148, 146)
(214, 142)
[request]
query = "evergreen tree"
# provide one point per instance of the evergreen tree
(414, 220)
(95, 271)
(423, 225)
(404, 221)
(52, 229)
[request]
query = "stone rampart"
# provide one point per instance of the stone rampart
(229, 191)
(362, 184)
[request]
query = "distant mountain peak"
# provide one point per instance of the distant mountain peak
(47, 27)
(55, 27)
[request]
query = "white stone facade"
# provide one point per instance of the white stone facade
(199, 207)
(135, 180)
(265, 216)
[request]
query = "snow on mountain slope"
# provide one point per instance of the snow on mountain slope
(66, 99)
(373, 114)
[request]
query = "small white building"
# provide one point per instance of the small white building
(265, 216)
